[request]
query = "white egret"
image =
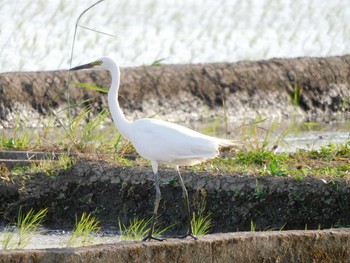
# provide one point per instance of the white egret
(159, 141)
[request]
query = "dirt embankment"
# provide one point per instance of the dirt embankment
(309, 87)
(110, 192)
(292, 246)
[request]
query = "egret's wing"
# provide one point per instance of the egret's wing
(171, 143)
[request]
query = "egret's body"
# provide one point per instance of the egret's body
(169, 143)
(159, 141)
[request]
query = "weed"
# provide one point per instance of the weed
(92, 87)
(158, 62)
(27, 226)
(258, 138)
(282, 227)
(83, 135)
(200, 224)
(72, 49)
(274, 229)
(19, 139)
(274, 168)
(331, 152)
(47, 166)
(255, 157)
(8, 236)
(252, 226)
(299, 177)
(84, 231)
(137, 229)
(172, 181)
(297, 92)
(257, 192)
(225, 111)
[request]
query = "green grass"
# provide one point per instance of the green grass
(330, 161)
(84, 231)
(252, 226)
(258, 193)
(275, 169)
(20, 138)
(200, 224)
(27, 226)
(297, 92)
(19, 236)
(137, 229)
(255, 136)
(48, 166)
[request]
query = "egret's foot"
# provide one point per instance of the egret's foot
(188, 235)
(150, 237)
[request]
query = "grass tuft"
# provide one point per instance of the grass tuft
(85, 230)
(201, 224)
(137, 229)
(27, 225)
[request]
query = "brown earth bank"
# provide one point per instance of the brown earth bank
(308, 87)
(234, 201)
(288, 246)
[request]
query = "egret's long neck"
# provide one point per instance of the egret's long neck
(119, 119)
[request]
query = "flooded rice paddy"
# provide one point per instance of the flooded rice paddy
(38, 35)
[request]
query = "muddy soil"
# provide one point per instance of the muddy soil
(279, 88)
(110, 192)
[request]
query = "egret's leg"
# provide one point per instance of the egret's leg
(150, 236)
(187, 206)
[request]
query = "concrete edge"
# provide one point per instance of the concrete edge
(273, 246)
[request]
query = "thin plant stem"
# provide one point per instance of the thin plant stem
(72, 52)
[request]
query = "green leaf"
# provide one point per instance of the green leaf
(157, 63)
(92, 87)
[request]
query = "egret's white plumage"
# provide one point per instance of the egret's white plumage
(169, 143)
(159, 141)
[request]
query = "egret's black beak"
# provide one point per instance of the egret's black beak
(85, 66)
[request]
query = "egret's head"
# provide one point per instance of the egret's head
(101, 63)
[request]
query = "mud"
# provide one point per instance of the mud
(279, 88)
(111, 192)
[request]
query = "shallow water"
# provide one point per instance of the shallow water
(38, 35)
(59, 239)
(289, 135)
(310, 136)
